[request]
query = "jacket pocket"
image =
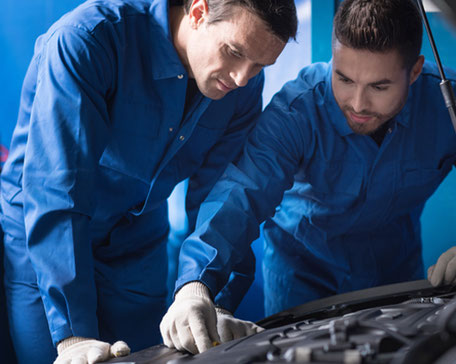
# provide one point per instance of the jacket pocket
(133, 155)
(417, 183)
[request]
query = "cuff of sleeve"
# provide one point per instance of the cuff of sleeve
(206, 279)
(193, 289)
(66, 343)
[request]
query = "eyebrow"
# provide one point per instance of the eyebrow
(384, 81)
(238, 48)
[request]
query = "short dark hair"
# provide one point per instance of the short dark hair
(279, 15)
(380, 26)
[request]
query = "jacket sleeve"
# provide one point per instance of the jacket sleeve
(227, 149)
(247, 194)
(239, 282)
(67, 132)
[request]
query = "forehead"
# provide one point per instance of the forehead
(246, 32)
(364, 65)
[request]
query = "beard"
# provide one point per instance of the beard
(375, 122)
(366, 128)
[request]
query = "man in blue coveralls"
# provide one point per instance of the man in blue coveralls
(339, 165)
(122, 100)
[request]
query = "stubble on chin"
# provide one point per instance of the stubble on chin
(365, 129)
(371, 126)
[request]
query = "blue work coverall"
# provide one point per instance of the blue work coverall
(101, 141)
(349, 218)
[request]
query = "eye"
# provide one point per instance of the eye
(344, 80)
(232, 52)
(380, 88)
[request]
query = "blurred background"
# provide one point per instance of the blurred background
(22, 21)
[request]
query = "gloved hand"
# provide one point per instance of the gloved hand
(230, 328)
(81, 350)
(444, 271)
(191, 322)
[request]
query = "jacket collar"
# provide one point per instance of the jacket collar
(165, 60)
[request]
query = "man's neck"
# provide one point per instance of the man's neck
(379, 134)
(180, 29)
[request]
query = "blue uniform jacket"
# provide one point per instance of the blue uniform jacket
(100, 143)
(340, 186)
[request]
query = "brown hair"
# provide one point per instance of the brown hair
(380, 26)
(279, 15)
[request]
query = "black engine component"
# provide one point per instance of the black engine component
(406, 323)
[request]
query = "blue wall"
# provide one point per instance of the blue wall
(21, 22)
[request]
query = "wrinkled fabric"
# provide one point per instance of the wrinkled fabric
(6, 347)
(101, 141)
(341, 212)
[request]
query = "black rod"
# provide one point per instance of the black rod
(445, 85)
(431, 39)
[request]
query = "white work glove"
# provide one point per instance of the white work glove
(80, 350)
(230, 328)
(444, 271)
(191, 322)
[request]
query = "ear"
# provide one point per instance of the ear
(416, 69)
(198, 13)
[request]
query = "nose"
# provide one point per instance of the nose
(359, 101)
(241, 75)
